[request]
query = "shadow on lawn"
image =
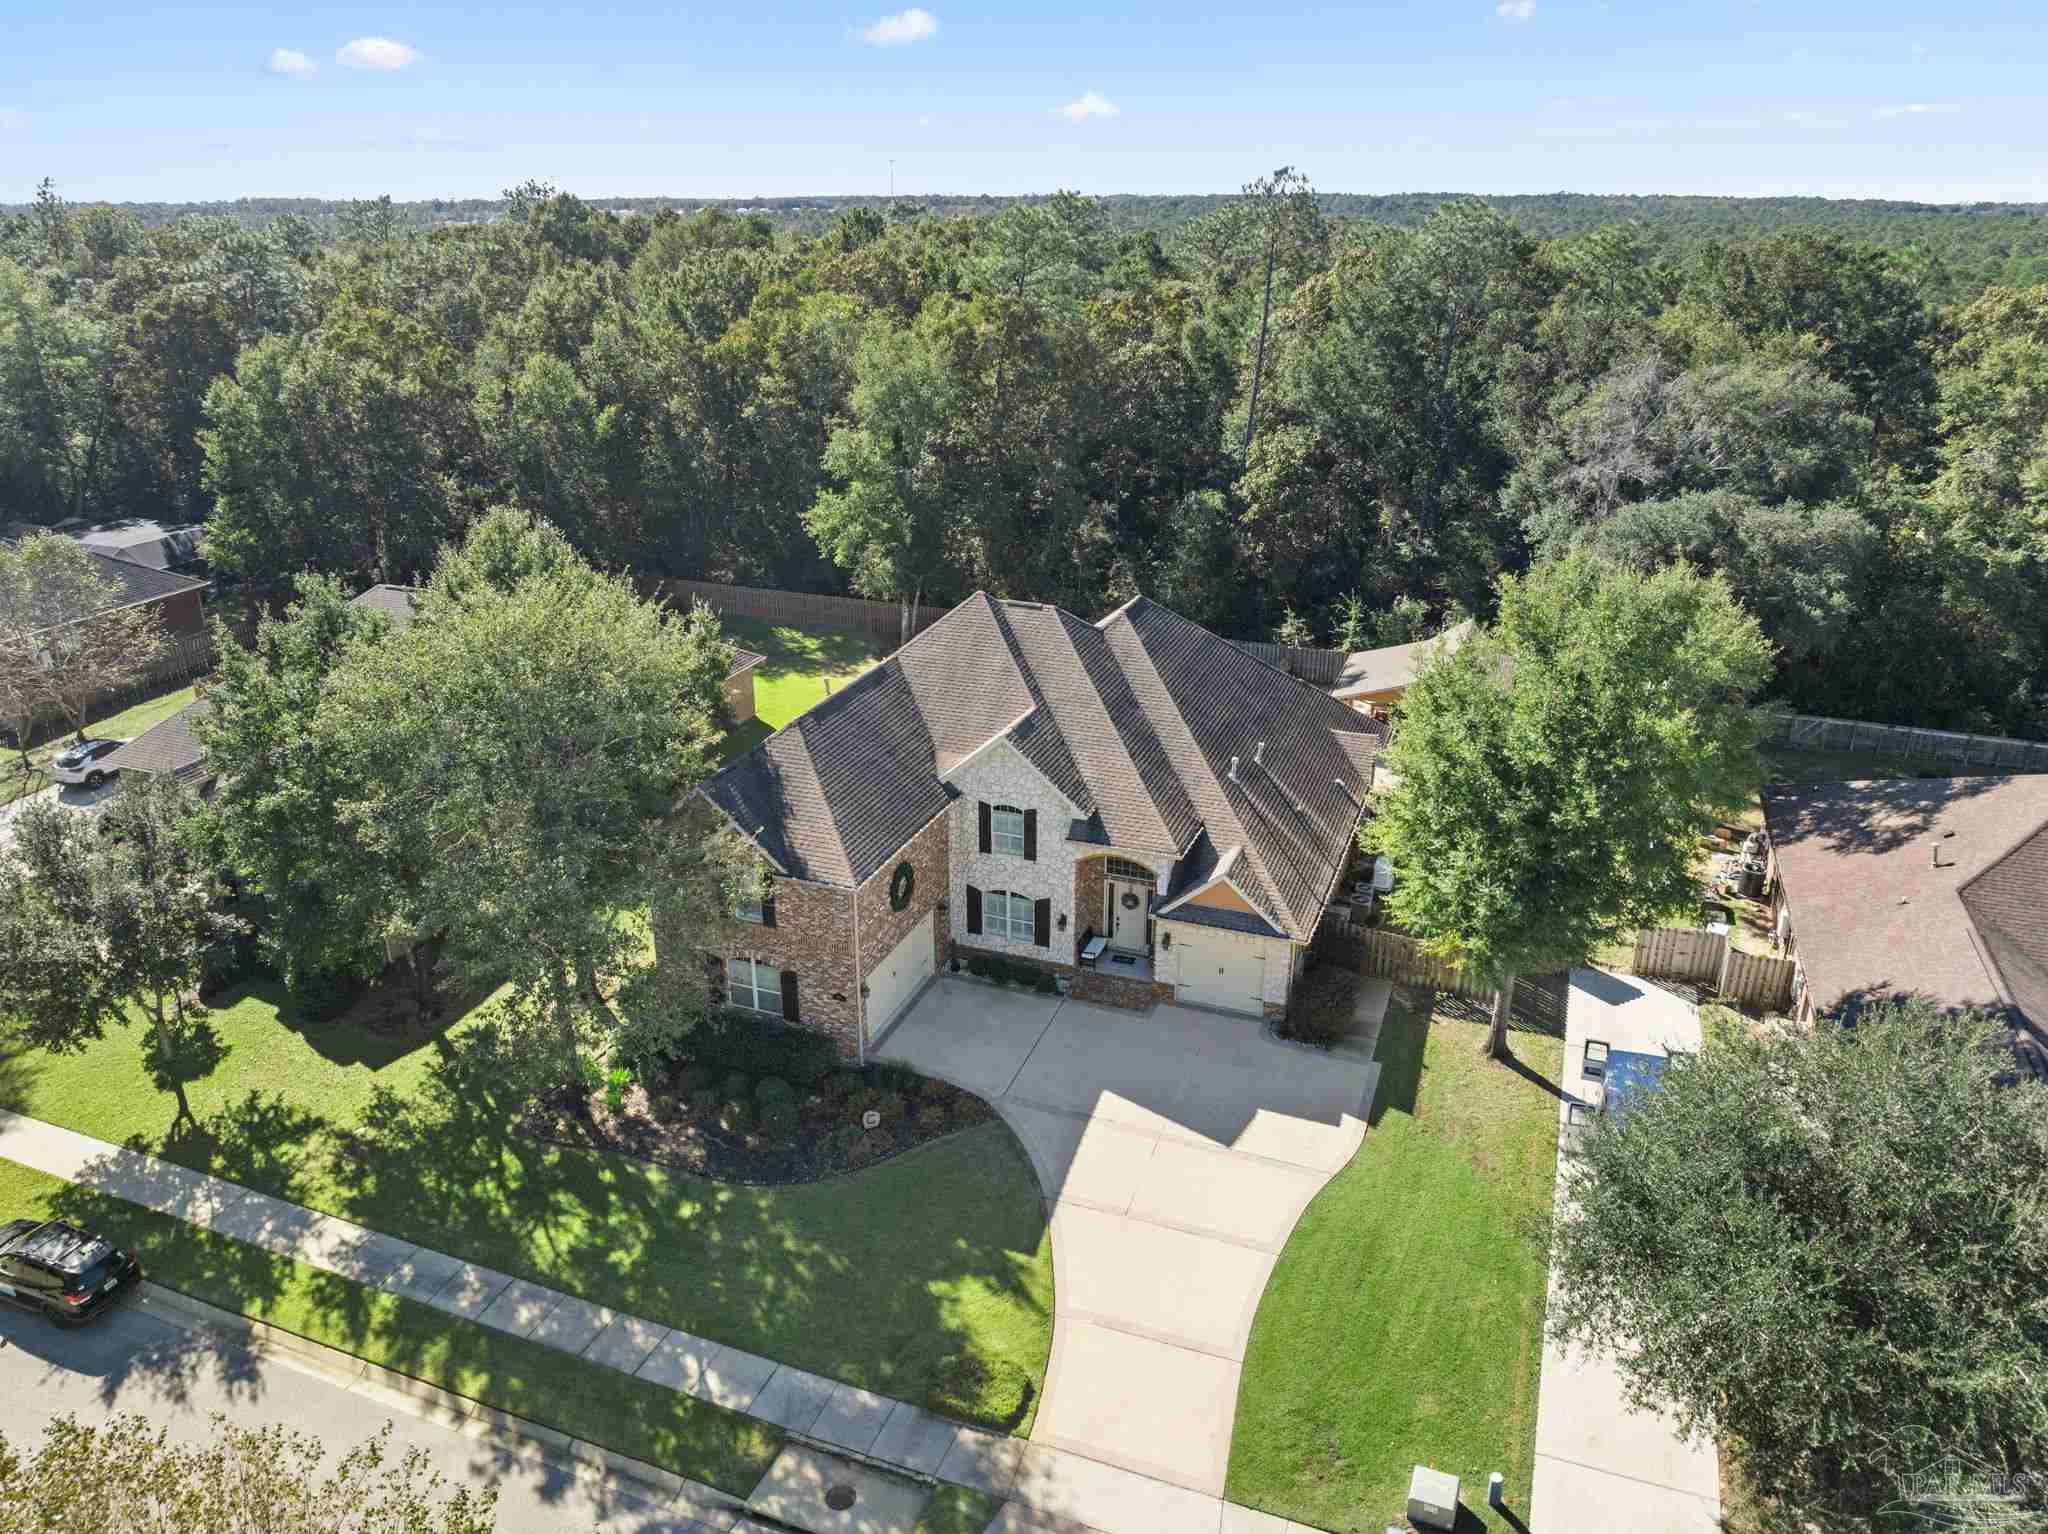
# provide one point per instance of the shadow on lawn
(361, 1035)
(17, 1075)
(872, 1278)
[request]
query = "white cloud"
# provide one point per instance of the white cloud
(1089, 105)
(375, 53)
(1515, 10)
(1914, 109)
(911, 26)
(288, 61)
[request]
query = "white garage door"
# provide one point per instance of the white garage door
(895, 980)
(1220, 969)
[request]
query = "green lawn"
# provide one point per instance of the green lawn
(875, 1278)
(126, 725)
(1403, 1324)
(800, 665)
(958, 1510)
(634, 1417)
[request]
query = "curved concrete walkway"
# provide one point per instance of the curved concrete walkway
(1177, 1148)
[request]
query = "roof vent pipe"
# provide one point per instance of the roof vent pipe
(1233, 770)
(1259, 754)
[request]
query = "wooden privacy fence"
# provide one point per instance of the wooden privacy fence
(1810, 732)
(880, 621)
(1711, 960)
(1394, 956)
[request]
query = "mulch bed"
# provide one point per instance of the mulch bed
(714, 1128)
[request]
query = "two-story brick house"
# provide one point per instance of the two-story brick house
(1134, 803)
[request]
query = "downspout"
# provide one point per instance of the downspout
(860, 991)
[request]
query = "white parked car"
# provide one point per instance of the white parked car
(81, 763)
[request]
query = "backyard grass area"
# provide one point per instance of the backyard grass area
(634, 1417)
(800, 665)
(878, 1278)
(126, 725)
(1403, 1324)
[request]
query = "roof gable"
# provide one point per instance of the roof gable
(1132, 721)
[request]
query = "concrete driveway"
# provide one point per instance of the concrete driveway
(1601, 1466)
(66, 795)
(1177, 1148)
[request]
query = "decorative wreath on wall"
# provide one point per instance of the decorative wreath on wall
(1130, 900)
(901, 883)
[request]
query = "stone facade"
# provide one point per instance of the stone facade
(1000, 775)
(813, 938)
(1105, 990)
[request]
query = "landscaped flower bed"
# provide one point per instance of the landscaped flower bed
(736, 1126)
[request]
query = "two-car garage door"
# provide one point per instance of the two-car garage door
(1214, 968)
(895, 980)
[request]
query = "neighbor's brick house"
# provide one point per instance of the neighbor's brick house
(1017, 781)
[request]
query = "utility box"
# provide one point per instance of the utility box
(1433, 1499)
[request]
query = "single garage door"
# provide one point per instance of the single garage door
(1220, 969)
(895, 980)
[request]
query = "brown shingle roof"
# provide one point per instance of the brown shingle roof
(1134, 719)
(1394, 666)
(396, 601)
(1937, 886)
(166, 746)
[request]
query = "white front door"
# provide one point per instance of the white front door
(895, 980)
(1125, 926)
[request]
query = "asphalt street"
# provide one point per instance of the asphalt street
(132, 1361)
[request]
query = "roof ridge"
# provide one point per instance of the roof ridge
(2023, 840)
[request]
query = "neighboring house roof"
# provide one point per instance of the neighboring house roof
(143, 542)
(1935, 886)
(133, 585)
(1134, 720)
(168, 746)
(1393, 668)
(743, 660)
(397, 601)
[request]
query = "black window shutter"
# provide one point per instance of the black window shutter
(1041, 923)
(789, 1009)
(767, 910)
(987, 837)
(1031, 836)
(974, 907)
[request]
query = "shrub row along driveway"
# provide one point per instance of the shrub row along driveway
(1176, 1149)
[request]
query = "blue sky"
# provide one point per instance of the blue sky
(1823, 97)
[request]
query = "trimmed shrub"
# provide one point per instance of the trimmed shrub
(897, 1078)
(1320, 1013)
(731, 1040)
(692, 1079)
(778, 1118)
(703, 1100)
(736, 1117)
(319, 996)
(737, 1087)
(979, 967)
(773, 1089)
(845, 1083)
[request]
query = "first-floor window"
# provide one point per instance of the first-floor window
(1007, 915)
(757, 987)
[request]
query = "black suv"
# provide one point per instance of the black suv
(63, 1271)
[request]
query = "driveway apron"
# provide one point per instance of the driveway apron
(1176, 1148)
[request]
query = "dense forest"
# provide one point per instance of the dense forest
(1961, 248)
(1273, 412)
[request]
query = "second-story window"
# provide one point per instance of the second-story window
(1006, 830)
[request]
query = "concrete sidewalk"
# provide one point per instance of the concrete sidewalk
(1048, 1488)
(1600, 1467)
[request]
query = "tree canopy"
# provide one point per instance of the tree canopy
(1553, 773)
(1826, 1245)
(1347, 415)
